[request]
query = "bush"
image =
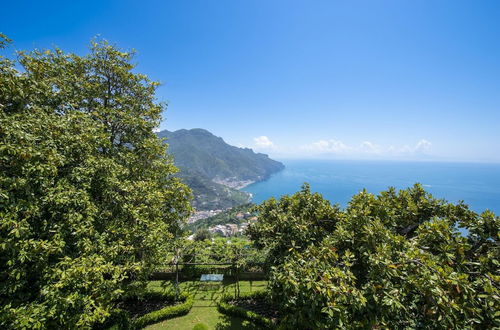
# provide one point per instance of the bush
(120, 319)
(165, 313)
(225, 308)
(202, 234)
(200, 326)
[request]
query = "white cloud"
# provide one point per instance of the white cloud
(366, 148)
(263, 142)
(369, 147)
(423, 146)
(405, 150)
(156, 129)
(337, 146)
(326, 146)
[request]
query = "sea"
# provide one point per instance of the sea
(477, 184)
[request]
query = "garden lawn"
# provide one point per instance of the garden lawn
(205, 301)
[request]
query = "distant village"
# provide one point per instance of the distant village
(231, 229)
(198, 215)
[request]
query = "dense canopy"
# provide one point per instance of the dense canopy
(87, 194)
(396, 260)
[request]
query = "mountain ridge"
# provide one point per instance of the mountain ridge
(214, 168)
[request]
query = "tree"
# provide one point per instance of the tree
(293, 222)
(88, 197)
(395, 260)
(202, 234)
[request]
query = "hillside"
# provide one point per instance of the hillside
(213, 168)
(209, 195)
(201, 151)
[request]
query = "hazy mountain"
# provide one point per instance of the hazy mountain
(206, 161)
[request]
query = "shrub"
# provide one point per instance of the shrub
(202, 234)
(166, 312)
(200, 326)
(224, 307)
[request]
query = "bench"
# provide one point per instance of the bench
(208, 279)
(212, 277)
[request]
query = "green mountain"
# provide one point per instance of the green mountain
(213, 168)
(199, 150)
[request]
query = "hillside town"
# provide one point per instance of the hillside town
(198, 215)
(232, 229)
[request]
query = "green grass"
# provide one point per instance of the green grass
(204, 309)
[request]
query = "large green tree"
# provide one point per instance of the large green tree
(88, 199)
(292, 223)
(396, 260)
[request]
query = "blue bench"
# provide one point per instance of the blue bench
(211, 278)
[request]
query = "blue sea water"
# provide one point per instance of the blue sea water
(476, 184)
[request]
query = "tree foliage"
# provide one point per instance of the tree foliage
(293, 222)
(396, 260)
(88, 199)
(202, 234)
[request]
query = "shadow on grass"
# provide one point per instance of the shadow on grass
(228, 286)
(207, 294)
(205, 302)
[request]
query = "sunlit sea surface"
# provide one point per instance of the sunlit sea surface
(476, 184)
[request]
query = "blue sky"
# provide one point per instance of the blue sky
(304, 79)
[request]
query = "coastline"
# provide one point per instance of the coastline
(235, 184)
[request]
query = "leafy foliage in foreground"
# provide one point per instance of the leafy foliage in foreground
(88, 199)
(395, 260)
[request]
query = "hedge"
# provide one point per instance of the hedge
(166, 312)
(225, 308)
(120, 319)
